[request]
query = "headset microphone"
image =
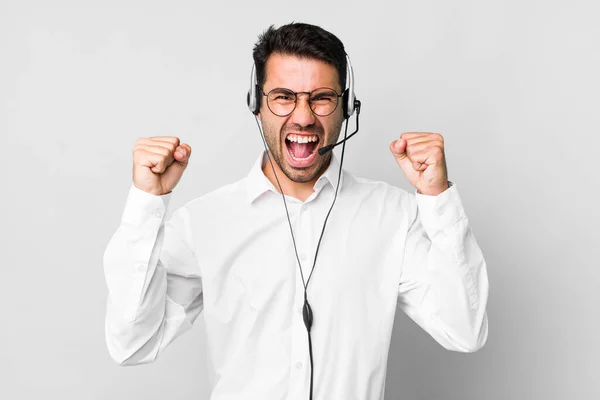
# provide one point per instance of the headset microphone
(330, 147)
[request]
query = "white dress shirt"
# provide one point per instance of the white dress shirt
(229, 255)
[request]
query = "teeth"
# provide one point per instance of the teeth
(301, 138)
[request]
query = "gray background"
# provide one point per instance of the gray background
(512, 86)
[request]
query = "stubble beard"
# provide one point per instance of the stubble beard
(276, 145)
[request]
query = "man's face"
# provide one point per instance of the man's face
(299, 161)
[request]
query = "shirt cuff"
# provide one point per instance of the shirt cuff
(141, 206)
(440, 212)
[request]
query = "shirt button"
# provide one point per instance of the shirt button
(299, 365)
(302, 257)
(158, 214)
(140, 266)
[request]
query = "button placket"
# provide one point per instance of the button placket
(301, 242)
(299, 349)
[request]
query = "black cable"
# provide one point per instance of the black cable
(336, 192)
(307, 311)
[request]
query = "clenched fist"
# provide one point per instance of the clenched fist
(158, 163)
(423, 161)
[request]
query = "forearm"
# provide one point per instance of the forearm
(141, 317)
(458, 294)
(445, 288)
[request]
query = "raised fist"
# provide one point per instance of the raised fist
(158, 163)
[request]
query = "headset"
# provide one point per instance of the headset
(350, 105)
(349, 101)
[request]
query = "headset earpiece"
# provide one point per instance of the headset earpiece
(345, 103)
(350, 98)
(251, 97)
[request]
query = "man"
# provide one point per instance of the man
(231, 253)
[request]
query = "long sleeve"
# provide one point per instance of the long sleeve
(444, 284)
(153, 279)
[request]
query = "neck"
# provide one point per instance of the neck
(298, 190)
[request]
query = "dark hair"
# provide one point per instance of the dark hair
(302, 40)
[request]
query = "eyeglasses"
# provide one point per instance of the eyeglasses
(282, 102)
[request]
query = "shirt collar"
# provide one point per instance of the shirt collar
(258, 183)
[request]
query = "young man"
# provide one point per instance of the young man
(231, 253)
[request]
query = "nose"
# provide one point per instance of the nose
(302, 114)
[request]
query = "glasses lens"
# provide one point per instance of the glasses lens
(323, 101)
(281, 101)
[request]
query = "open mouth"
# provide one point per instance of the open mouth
(301, 149)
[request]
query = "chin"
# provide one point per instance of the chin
(304, 174)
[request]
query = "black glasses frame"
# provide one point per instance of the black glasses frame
(296, 100)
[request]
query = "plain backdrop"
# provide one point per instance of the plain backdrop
(512, 85)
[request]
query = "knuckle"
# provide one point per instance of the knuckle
(171, 140)
(162, 151)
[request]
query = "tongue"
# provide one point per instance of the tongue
(301, 150)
